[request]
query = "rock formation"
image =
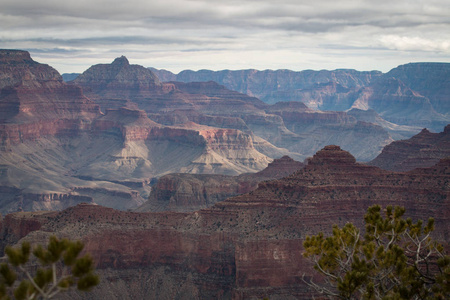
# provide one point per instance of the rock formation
(247, 247)
(57, 149)
(32, 92)
(264, 84)
(397, 132)
(315, 129)
(293, 130)
(114, 85)
(412, 94)
(422, 150)
(397, 103)
(431, 80)
(190, 192)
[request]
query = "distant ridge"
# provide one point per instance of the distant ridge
(69, 76)
(422, 150)
(263, 84)
(422, 100)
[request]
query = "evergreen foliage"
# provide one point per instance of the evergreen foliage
(60, 268)
(396, 259)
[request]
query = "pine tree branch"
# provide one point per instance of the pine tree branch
(320, 289)
(31, 280)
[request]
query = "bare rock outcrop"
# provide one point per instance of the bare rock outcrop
(400, 104)
(429, 79)
(264, 84)
(191, 192)
(289, 128)
(114, 85)
(57, 148)
(249, 246)
(311, 130)
(32, 92)
(411, 94)
(422, 150)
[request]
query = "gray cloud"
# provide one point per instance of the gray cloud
(229, 34)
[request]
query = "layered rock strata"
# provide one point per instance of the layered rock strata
(190, 192)
(249, 246)
(57, 149)
(411, 94)
(209, 103)
(429, 79)
(263, 84)
(422, 150)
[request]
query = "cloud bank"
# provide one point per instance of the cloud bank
(196, 34)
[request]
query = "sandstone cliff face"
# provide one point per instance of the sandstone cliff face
(312, 130)
(290, 129)
(121, 84)
(301, 130)
(18, 68)
(397, 103)
(56, 141)
(113, 85)
(429, 79)
(34, 102)
(57, 149)
(322, 96)
(113, 160)
(408, 95)
(216, 92)
(30, 91)
(191, 192)
(262, 84)
(249, 246)
(397, 132)
(179, 117)
(422, 150)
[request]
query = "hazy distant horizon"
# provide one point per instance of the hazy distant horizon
(218, 70)
(178, 35)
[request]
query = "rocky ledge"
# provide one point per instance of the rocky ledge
(249, 246)
(422, 150)
(190, 192)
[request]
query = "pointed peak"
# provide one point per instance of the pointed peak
(423, 132)
(121, 61)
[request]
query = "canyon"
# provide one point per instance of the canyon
(204, 184)
(183, 192)
(108, 135)
(415, 94)
(246, 247)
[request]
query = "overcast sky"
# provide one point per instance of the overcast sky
(228, 34)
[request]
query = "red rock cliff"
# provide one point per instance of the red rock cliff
(248, 246)
(422, 150)
(190, 192)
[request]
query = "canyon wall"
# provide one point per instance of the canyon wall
(422, 150)
(246, 247)
(191, 192)
(414, 94)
